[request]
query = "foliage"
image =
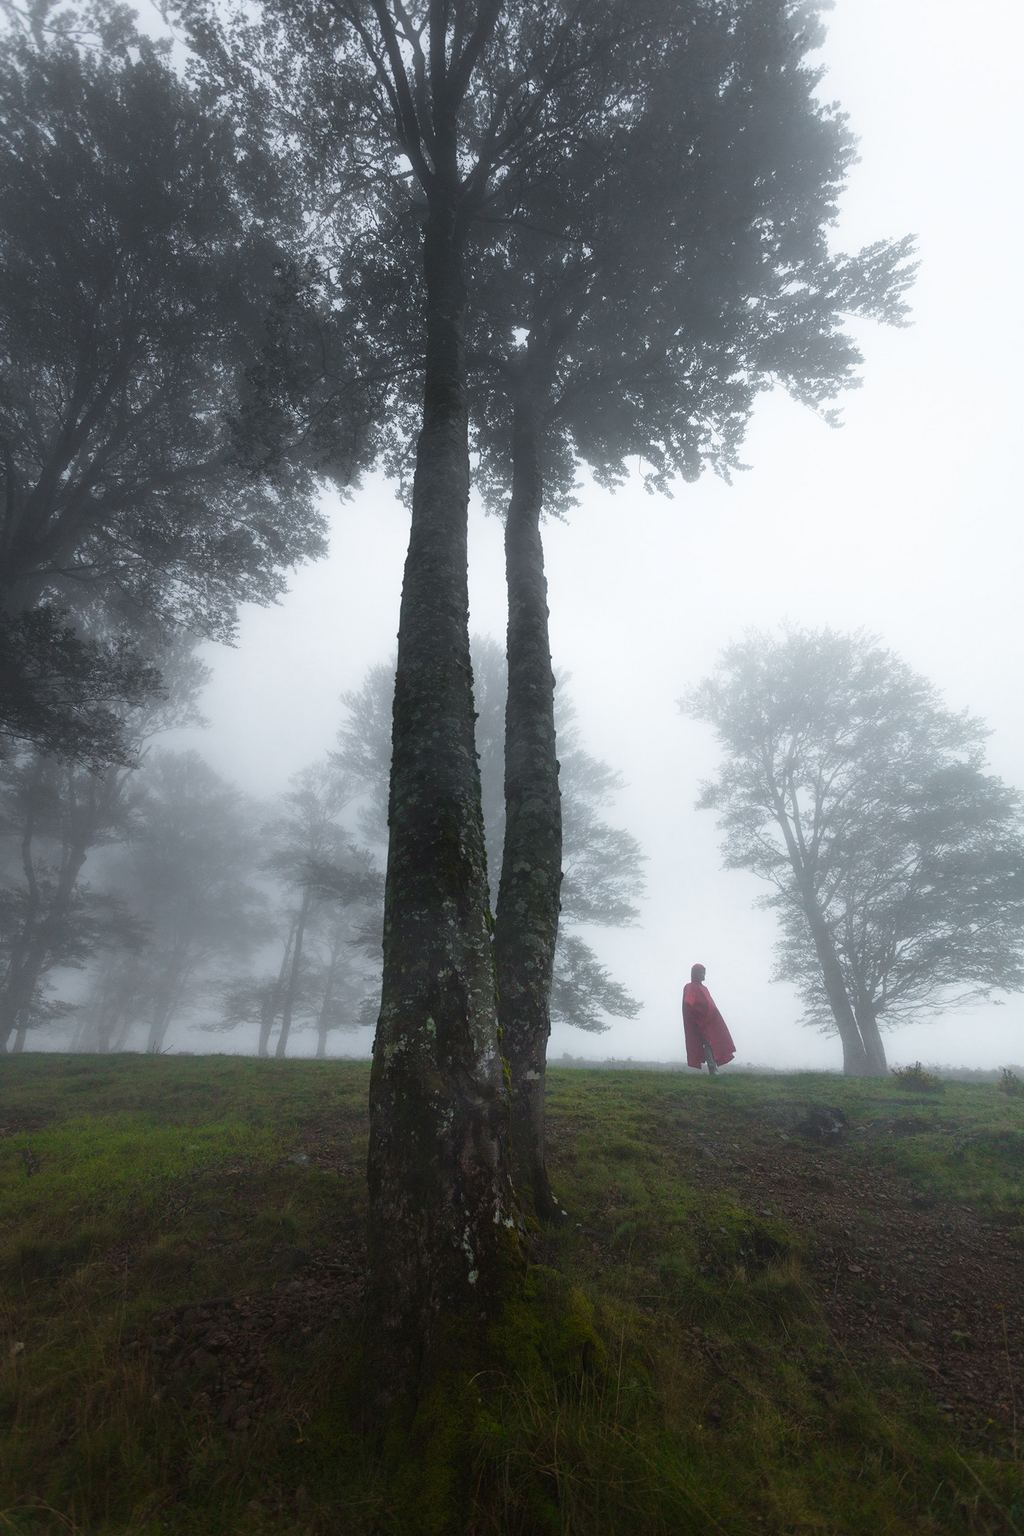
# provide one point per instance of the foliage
(152, 465)
(138, 265)
(917, 1079)
(862, 800)
(673, 261)
(64, 694)
(1010, 1082)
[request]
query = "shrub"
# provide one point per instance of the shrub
(918, 1079)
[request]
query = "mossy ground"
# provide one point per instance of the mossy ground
(180, 1264)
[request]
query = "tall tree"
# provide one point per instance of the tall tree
(150, 462)
(640, 296)
(458, 95)
(851, 789)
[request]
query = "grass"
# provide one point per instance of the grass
(180, 1242)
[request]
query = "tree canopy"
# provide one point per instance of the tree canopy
(151, 465)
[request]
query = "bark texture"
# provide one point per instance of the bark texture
(443, 1230)
(526, 921)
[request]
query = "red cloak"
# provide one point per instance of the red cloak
(702, 1021)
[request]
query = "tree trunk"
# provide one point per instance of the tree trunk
(291, 990)
(443, 1238)
(159, 1024)
(168, 998)
(526, 920)
(855, 1058)
(874, 1050)
(124, 1030)
(40, 938)
(272, 1002)
(325, 1002)
(855, 1062)
(26, 970)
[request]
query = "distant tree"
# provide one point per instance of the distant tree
(340, 975)
(56, 813)
(313, 855)
(152, 462)
(927, 907)
(896, 861)
(193, 880)
(603, 864)
(106, 1017)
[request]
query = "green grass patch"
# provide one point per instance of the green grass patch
(180, 1243)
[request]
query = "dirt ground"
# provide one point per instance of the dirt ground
(900, 1274)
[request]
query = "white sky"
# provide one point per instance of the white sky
(907, 522)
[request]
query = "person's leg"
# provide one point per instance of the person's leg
(709, 1058)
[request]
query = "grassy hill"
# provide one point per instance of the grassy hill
(758, 1331)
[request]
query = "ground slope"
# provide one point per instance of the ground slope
(742, 1327)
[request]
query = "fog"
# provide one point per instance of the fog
(901, 523)
(904, 522)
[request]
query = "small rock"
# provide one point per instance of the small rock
(827, 1125)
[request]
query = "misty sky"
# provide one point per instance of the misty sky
(905, 522)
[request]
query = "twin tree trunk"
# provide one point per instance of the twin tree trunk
(526, 920)
(867, 1023)
(858, 1060)
(443, 1230)
(863, 1052)
(855, 1061)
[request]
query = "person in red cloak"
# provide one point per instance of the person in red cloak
(707, 1034)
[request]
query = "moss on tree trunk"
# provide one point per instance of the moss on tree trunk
(526, 922)
(443, 1229)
